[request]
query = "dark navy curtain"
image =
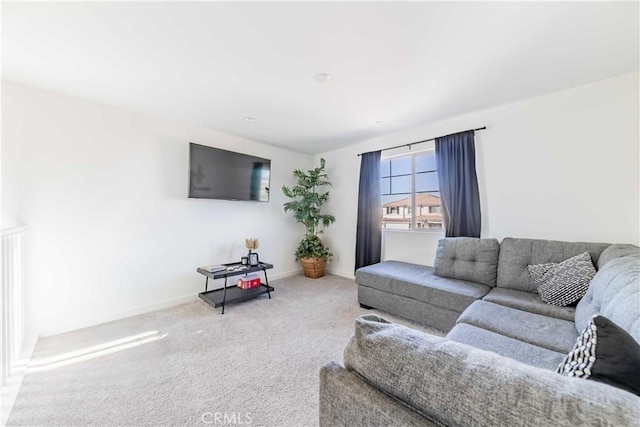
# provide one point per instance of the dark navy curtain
(456, 163)
(369, 227)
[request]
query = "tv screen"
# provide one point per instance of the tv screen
(226, 175)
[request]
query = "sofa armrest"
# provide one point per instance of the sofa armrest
(456, 384)
(346, 399)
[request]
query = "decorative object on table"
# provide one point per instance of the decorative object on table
(249, 281)
(251, 244)
(253, 259)
(306, 204)
(244, 260)
(214, 268)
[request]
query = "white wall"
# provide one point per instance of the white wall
(563, 166)
(103, 191)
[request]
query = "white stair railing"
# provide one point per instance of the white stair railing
(11, 302)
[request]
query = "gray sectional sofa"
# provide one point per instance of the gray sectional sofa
(496, 364)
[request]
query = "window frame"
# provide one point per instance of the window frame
(413, 208)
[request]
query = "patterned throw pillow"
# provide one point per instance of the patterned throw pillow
(606, 353)
(563, 283)
(537, 271)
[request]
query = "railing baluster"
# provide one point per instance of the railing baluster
(2, 314)
(12, 303)
(4, 360)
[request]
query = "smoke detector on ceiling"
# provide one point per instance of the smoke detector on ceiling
(321, 77)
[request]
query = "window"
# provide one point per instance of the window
(410, 192)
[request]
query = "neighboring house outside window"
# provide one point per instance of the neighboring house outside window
(410, 192)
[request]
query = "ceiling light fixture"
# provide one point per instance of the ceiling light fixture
(321, 77)
(250, 119)
(379, 122)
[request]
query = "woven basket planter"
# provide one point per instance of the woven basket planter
(313, 267)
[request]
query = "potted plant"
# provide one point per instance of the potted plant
(307, 199)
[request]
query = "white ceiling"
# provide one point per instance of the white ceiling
(405, 64)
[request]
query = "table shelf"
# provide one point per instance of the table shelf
(234, 294)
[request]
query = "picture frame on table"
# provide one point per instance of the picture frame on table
(253, 259)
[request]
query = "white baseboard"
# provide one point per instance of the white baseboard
(140, 310)
(342, 274)
(285, 274)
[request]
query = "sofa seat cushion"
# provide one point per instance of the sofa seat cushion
(468, 258)
(420, 312)
(420, 283)
(505, 346)
(527, 301)
(543, 331)
(517, 254)
(458, 385)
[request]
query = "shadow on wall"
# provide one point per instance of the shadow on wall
(417, 247)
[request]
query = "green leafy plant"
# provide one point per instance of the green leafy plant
(306, 202)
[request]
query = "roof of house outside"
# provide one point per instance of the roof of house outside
(422, 199)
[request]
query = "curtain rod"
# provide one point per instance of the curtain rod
(425, 140)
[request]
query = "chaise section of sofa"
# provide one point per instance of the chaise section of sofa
(416, 293)
(465, 270)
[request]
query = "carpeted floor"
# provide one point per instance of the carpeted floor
(255, 365)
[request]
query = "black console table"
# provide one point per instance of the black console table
(229, 294)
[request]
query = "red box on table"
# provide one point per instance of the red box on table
(249, 281)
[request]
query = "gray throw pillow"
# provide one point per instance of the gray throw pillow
(563, 283)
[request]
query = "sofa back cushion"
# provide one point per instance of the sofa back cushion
(468, 258)
(617, 250)
(516, 254)
(614, 292)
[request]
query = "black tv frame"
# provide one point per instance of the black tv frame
(235, 153)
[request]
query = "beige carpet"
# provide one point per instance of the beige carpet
(189, 365)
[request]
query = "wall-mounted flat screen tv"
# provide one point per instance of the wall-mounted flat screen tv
(220, 174)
